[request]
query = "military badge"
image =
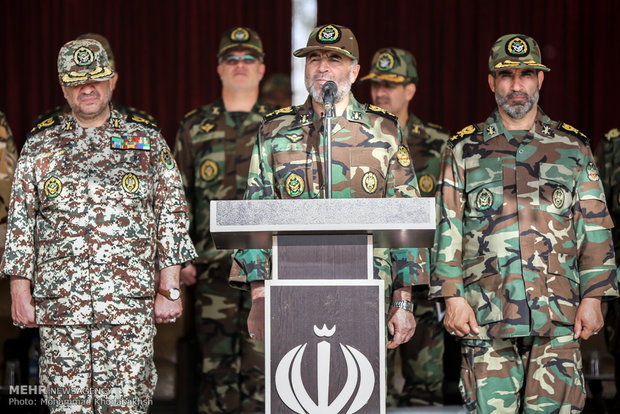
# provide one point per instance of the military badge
(517, 47)
(369, 182)
(416, 129)
(135, 142)
(573, 131)
(208, 170)
(356, 115)
(139, 120)
(130, 183)
(239, 35)
(207, 127)
(294, 137)
(67, 126)
(116, 122)
(328, 34)
(83, 56)
(52, 187)
(303, 118)
(262, 109)
(492, 130)
(592, 171)
(546, 129)
(558, 197)
(294, 185)
(426, 183)
(484, 200)
(166, 158)
(278, 112)
(403, 156)
(215, 110)
(385, 62)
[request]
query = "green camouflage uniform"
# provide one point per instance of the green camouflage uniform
(94, 214)
(369, 160)
(8, 160)
(213, 150)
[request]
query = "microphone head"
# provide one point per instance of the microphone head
(329, 92)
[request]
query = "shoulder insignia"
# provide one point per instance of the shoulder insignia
(614, 133)
(463, 133)
(435, 126)
(189, 114)
(216, 110)
(573, 131)
(262, 109)
(139, 120)
(380, 111)
(279, 112)
(45, 124)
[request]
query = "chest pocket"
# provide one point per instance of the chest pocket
(367, 173)
(556, 189)
(484, 188)
(293, 173)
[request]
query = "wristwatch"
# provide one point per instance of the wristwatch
(403, 304)
(172, 294)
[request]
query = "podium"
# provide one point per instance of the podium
(324, 311)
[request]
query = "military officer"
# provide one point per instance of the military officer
(393, 83)
(523, 251)
(213, 150)
(97, 211)
(8, 160)
(369, 160)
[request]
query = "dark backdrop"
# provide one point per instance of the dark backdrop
(165, 51)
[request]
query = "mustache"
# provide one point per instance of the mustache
(93, 94)
(517, 95)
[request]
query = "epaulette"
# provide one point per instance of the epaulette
(130, 110)
(139, 120)
(45, 124)
(468, 131)
(380, 111)
(289, 110)
(435, 126)
(573, 131)
(614, 133)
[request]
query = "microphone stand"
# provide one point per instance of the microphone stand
(327, 133)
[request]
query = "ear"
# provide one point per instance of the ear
(541, 78)
(410, 91)
(355, 72)
(219, 70)
(261, 71)
(491, 80)
(64, 90)
(113, 82)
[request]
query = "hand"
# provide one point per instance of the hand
(589, 319)
(401, 325)
(188, 275)
(22, 303)
(167, 310)
(256, 318)
(459, 319)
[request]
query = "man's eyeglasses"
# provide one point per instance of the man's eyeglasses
(232, 60)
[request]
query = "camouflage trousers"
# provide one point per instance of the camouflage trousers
(97, 368)
(233, 377)
(529, 374)
(612, 338)
(421, 358)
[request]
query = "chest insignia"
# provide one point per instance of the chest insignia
(369, 182)
(53, 187)
(426, 183)
(592, 171)
(207, 127)
(135, 142)
(484, 200)
(130, 183)
(294, 185)
(208, 170)
(558, 197)
(294, 137)
(166, 158)
(403, 156)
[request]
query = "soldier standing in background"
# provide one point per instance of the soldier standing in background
(393, 82)
(213, 149)
(97, 232)
(523, 252)
(8, 160)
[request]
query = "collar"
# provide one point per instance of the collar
(494, 126)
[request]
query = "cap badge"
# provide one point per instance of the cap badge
(517, 47)
(427, 183)
(369, 182)
(83, 56)
(328, 34)
(130, 183)
(239, 35)
(484, 200)
(403, 156)
(385, 62)
(558, 197)
(294, 185)
(592, 171)
(53, 187)
(208, 170)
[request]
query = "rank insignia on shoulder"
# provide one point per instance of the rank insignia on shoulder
(207, 127)
(43, 125)
(573, 131)
(279, 112)
(294, 138)
(380, 111)
(166, 158)
(614, 133)
(135, 142)
(189, 114)
(139, 120)
(463, 133)
(435, 126)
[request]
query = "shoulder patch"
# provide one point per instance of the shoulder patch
(573, 131)
(45, 124)
(614, 133)
(139, 120)
(468, 131)
(380, 111)
(279, 112)
(435, 126)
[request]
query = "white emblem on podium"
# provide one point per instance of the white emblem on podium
(291, 390)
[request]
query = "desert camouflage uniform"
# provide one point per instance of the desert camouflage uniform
(213, 150)
(94, 214)
(8, 160)
(523, 235)
(422, 356)
(369, 160)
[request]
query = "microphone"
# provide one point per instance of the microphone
(329, 94)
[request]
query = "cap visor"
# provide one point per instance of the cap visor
(385, 77)
(304, 51)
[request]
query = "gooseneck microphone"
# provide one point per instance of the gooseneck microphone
(329, 94)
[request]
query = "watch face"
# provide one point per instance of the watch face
(174, 293)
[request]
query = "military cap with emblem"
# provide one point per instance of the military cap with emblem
(104, 42)
(331, 37)
(394, 65)
(82, 61)
(240, 38)
(515, 51)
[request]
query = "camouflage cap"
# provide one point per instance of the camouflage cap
(240, 38)
(331, 37)
(394, 65)
(515, 51)
(104, 42)
(82, 61)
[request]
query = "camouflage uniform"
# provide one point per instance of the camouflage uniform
(523, 236)
(8, 159)
(213, 150)
(94, 214)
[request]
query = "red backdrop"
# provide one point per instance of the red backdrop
(165, 51)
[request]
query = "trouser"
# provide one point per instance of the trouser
(233, 378)
(529, 374)
(97, 368)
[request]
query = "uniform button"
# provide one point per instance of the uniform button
(520, 150)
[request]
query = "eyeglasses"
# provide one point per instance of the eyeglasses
(232, 60)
